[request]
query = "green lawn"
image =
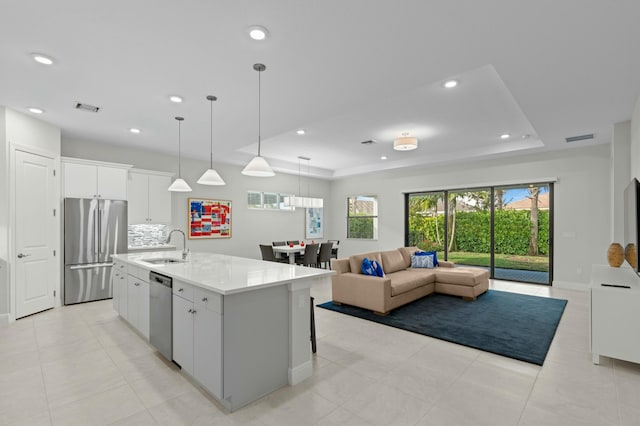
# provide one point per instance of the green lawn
(527, 263)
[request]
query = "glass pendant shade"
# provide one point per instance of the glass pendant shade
(210, 177)
(258, 167)
(300, 201)
(179, 185)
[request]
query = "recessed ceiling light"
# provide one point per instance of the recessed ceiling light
(175, 98)
(450, 84)
(383, 157)
(505, 136)
(134, 130)
(42, 59)
(300, 131)
(35, 110)
(258, 32)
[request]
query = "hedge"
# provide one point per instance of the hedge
(472, 233)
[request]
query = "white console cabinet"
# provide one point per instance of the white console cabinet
(94, 179)
(615, 313)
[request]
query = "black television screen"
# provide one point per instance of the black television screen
(631, 228)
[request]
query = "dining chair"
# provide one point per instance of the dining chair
(294, 242)
(279, 243)
(324, 256)
(334, 249)
(310, 257)
(267, 254)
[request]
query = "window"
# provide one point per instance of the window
(362, 217)
(267, 201)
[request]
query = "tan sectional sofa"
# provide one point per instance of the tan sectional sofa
(401, 283)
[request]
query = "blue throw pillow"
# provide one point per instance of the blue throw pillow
(367, 268)
(429, 253)
(378, 268)
(422, 261)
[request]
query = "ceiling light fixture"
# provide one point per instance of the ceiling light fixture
(300, 132)
(42, 59)
(35, 110)
(450, 84)
(405, 143)
(383, 157)
(258, 32)
(175, 98)
(505, 136)
(210, 176)
(258, 167)
(299, 200)
(179, 185)
(134, 130)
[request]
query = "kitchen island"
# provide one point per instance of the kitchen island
(240, 326)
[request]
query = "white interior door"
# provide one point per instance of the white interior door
(35, 276)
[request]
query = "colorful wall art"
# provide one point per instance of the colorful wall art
(313, 223)
(209, 218)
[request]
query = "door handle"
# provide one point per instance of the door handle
(20, 255)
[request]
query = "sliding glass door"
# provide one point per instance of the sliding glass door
(505, 229)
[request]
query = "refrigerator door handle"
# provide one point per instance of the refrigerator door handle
(99, 231)
(92, 265)
(95, 233)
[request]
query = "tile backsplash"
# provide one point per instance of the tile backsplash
(147, 234)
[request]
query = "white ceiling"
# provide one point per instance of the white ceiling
(345, 71)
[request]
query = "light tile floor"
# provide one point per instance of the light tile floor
(82, 365)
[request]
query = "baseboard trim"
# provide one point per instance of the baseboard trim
(300, 372)
(570, 285)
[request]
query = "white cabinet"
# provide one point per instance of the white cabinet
(148, 196)
(118, 279)
(94, 179)
(615, 313)
(197, 335)
(138, 304)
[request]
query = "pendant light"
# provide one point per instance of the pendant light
(211, 177)
(299, 200)
(179, 185)
(258, 166)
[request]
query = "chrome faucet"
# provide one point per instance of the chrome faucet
(185, 250)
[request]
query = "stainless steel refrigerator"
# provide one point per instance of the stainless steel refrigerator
(94, 229)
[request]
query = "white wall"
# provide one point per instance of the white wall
(581, 202)
(19, 130)
(249, 227)
(620, 177)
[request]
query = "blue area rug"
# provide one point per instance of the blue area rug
(509, 324)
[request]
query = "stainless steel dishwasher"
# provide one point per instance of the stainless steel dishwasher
(160, 314)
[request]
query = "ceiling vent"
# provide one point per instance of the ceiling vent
(369, 142)
(87, 107)
(580, 138)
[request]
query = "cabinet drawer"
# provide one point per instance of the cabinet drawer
(208, 300)
(183, 290)
(138, 272)
(120, 266)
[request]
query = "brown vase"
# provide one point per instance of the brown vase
(630, 255)
(615, 255)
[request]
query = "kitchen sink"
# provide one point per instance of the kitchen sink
(163, 260)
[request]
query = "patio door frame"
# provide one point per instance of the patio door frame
(445, 194)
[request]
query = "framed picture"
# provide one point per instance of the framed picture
(209, 218)
(313, 223)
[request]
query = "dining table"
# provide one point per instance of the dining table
(290, 251)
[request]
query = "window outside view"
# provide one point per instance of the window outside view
(519, 244)
(362, 217)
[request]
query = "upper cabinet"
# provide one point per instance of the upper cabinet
(94, 179)
(149, 197)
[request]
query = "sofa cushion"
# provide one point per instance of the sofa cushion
(368, 268)
(378, 267)
(429, 253)
(462, 276)
(392, 261)
(422, 261)
(355, 261)
(406, 254)
(407, 280)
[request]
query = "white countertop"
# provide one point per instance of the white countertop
(222, 273)
(151, 247)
